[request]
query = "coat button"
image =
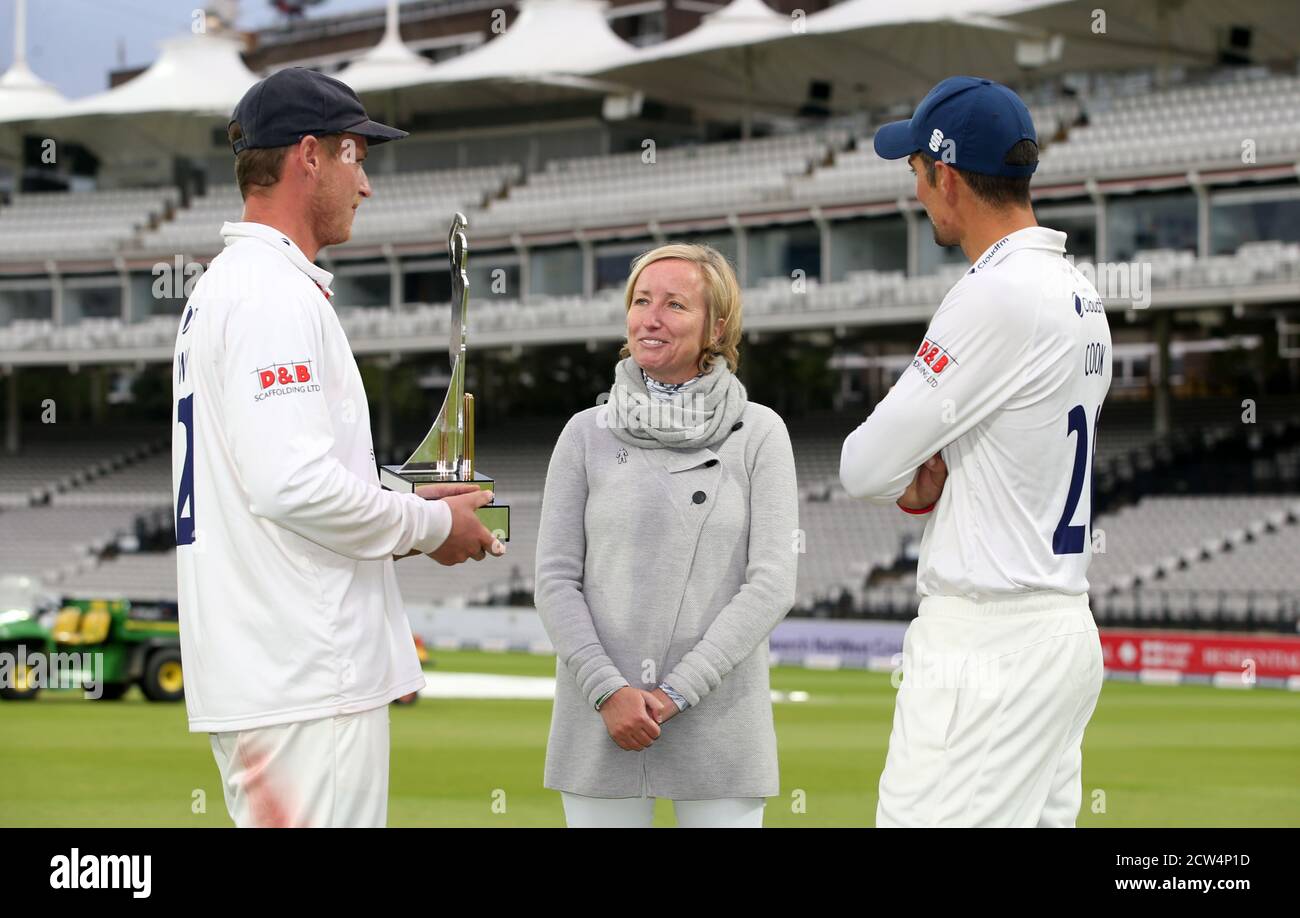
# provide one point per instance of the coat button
(699, 497)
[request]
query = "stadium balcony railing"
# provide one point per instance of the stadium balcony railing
(853, 299)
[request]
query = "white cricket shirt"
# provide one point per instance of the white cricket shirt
(289, 605)
(1007, 386)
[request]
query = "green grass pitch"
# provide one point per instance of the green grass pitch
(1162, 755)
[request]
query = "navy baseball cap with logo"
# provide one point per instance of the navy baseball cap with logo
(287, 106)
(967, 122)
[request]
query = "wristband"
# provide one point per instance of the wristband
(921, 512)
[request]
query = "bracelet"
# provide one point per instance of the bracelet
(676, 697)
(605, 697)
(920, 512)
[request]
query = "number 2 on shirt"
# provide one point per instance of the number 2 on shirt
(1067, 539)
(185, 493)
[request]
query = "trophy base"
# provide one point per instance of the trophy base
(496, 517)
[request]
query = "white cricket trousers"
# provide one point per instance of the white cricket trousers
(989, 719)
(638, 812)
(326, 773)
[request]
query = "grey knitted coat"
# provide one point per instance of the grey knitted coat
(673, 565)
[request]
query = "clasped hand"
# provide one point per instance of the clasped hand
(633, 716)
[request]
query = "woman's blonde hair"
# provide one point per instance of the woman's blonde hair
(721, 292)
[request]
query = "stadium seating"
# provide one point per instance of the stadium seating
(145, 482)
(54, 464)
(418, 205)
(85, 224)
(405, 206)
(1115, 128)
(1252, 263)
(1261, 559)
(55, 543)
(682, 181)
(196, 228)
(133, 576)
(1194, 560)
(860, 290)
(1127, 134)
(1193, 126)
(1160, 533)
(1167, 558)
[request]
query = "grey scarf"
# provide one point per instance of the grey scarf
(700, 418)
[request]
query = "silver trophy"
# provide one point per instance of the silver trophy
(446, 455)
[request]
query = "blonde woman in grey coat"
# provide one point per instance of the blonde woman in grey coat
(666, 556)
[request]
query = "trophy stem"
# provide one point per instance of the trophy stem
(446, 454)
(468, 446)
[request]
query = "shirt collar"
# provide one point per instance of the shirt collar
(1031, 237)
(277, 240)
(662, 390)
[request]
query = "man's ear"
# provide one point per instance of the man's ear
(309, 149)
(948, 182)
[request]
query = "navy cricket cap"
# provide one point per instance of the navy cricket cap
(967, 122)
(292, 103)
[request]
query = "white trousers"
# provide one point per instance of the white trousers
(325, 773)
(638, 812)
(989, 720)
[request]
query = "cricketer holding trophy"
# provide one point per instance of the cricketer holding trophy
(293, 635)
(446, 455)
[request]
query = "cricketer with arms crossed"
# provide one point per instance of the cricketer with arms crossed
(991, 431)
(293, 635)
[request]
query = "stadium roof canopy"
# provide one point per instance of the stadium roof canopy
(542, 56)
(22, 93)
(1195, 32)
(25, 95)
(389, 63)
(734, 26)
(169, 108)
(869, 52)
(201, 73)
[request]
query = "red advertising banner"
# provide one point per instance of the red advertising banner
(1267, 656)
